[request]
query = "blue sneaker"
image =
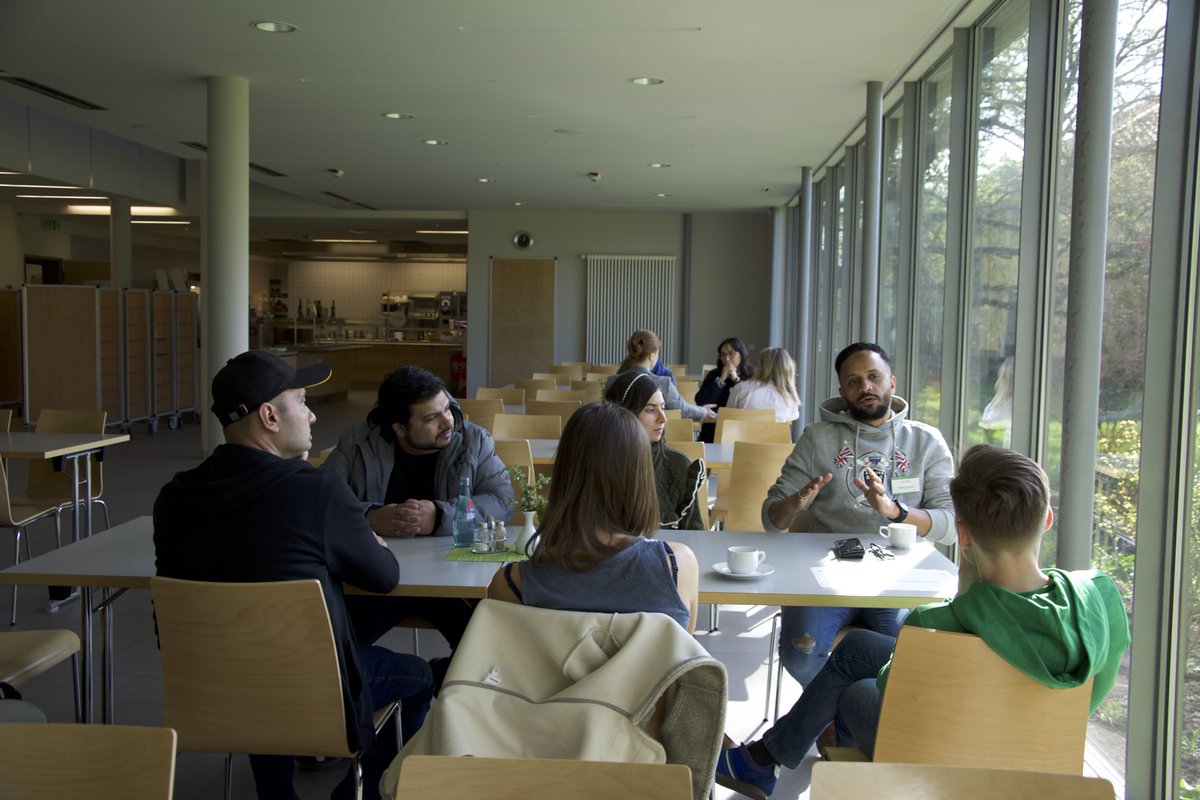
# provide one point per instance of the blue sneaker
(738, 771)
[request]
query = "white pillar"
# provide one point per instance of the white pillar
(225, 286)
(120, 243)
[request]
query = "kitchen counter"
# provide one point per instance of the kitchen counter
(363, 364)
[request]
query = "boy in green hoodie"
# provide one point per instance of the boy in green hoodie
(1059, 628)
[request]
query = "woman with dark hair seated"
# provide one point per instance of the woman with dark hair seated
(594, 551)
(678, 480)
(733, 367)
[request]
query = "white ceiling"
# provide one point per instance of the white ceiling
(753, 90)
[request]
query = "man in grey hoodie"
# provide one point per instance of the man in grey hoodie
(865, 464)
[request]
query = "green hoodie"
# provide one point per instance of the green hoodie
(1060, 635)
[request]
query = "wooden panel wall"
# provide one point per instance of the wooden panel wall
(522, 318)
(61, 353)
(137, 353)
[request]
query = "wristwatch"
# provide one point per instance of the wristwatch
(903, 506)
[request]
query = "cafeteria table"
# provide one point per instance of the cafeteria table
(61, 448)
(715, 455)
(805, 573)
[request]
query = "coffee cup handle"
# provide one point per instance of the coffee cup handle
(884, 531)
(762, 555)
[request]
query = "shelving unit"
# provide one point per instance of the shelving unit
(162, 323)
(112, 373)
(137, 339)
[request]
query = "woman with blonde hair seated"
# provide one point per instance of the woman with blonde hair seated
(773, 386)
(642, 353)
(594, 548)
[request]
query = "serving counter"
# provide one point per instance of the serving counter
(363, 365)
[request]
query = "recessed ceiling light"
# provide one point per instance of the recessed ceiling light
(662, 194)
(646, 81)
(160, 222)
(62, 197)
(518, 203)
(450, 233)
(487, 180)
(8, 172)
(348, 241)
(35, 186)
(568, 131)
(144, 211)
(435, 142)
(399, 115)
(274, 26)
(658, 165)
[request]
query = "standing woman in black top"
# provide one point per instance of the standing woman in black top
(733, 367)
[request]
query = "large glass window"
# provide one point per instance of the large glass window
(821, 265)
(933, 150)
(889, 229)
(1002, 56)
(840, 273)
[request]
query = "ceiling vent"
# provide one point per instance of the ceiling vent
(203, 148)
(345, 199)
(260, 169)
(53, 94)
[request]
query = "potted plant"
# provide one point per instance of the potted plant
(530, 500)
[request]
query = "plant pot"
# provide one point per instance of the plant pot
(527, 532)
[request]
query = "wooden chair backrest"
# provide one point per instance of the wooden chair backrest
(27, 654)
(5, 419)
(482, 411)
(605, 369)
(755, 468)
(546, 376)
(575, 395)
(726, 413)
(527, 426)
(679, 369)
(43, 482)
(598, 377)
(531, 385)
(463, 778)
(680, 430)
(511, 396)
(981, 713)
(66, 761)
(249, 667)
(516, 453)
(695, 452)
(753, 430)
(559, 408)
(571, 371)
(687, 389)
(871, 780)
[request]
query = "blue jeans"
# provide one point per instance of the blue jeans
(390, 677)
(843, 692)
(807, 632)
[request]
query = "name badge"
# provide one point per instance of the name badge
(906, 485)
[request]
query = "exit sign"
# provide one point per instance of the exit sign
(51, 224)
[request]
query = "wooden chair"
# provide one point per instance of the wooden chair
(572, 372)
(872, 780)
(979, 714)
(579, 395)
(680, 430)
(687, 389)
(251, 668)
(527, 426)
(19, 516)
(482, 412)
(755, 468)
(763, 414)
(707, 368)
(563, 409)
(27, 654)
(679, 369)
(604, 370)
(674, 413)
(546, 376)
(531, 385)
(753, 430)
(5, 419)
(516, 453)
(598, 377)
(510, 396)
(105, 762)
(594, 389)
(470, 778)
(43, 483)
(695, 452)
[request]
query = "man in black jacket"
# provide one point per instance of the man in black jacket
(256, 511)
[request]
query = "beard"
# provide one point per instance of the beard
(871, 414)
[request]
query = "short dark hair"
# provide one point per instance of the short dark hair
(1001, 496)
(398, 393)
(614, 493)
(859, 347)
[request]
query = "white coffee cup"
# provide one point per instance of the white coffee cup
(902, 535)
(744, 560)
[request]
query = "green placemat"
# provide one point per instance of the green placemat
(467, 554)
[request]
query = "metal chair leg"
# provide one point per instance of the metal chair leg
(229, 776)
(16, 560)
(103, 507)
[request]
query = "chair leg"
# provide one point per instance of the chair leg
(778, 688)
(771, 645)
(75, 686)
(229, 776)
(103, 507)
(356, 765)
(16, 560)
(416, 641)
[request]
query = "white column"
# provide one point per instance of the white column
(872, 198)
(225, 285)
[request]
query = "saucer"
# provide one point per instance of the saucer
(721, 568)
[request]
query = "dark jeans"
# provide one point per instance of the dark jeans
(390, 677)
(372, 616)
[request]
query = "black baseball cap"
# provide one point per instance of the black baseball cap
(256, 376)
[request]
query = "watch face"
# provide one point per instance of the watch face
(523, 240)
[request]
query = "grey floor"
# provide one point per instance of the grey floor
(133, 474)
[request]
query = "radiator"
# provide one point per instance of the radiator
(627, 293)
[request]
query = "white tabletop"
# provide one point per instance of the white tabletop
(124, 557)
(27, 444)
(715, 455)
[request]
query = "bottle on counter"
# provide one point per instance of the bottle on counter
(464, 514)
(333, 309)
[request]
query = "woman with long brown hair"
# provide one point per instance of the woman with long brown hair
(595, 551)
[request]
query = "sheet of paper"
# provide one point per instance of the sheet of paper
(865, 579)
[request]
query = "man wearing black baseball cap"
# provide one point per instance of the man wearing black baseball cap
(255, 510)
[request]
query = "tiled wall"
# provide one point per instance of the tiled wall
(356, 286)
